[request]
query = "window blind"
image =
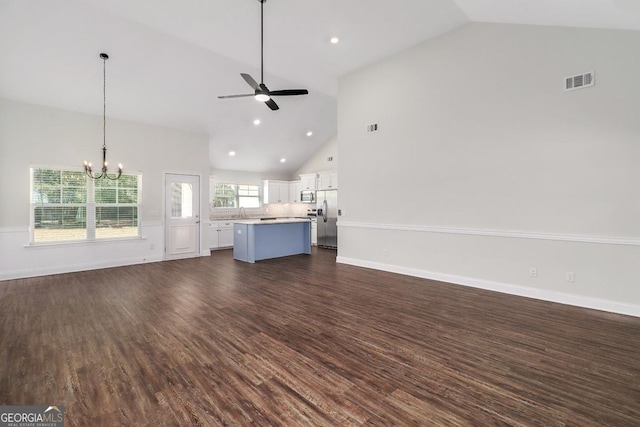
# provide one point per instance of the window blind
(67, 206)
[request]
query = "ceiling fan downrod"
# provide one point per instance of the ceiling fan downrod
(262, 2)
(260, 91)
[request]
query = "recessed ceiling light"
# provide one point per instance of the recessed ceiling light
(334, 40)
(309, 133)
(232, 153)
(282, 160)
(256, 122)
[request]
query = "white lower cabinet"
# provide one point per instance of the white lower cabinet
(225, 234)
(220, 234)
(212, 234)
(314, 233)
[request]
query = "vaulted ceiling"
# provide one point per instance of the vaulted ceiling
(170, 59)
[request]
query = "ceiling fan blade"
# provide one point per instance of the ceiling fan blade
(271, 104)
(289, 92)
(264, 88)
(247, 78)
(236, 96)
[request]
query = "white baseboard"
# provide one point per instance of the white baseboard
(545, 295)
(35, 272)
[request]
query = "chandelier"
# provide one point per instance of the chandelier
(87, 166)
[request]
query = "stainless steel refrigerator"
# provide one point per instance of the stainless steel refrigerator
(327, 209)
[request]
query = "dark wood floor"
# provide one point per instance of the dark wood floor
(303, 341)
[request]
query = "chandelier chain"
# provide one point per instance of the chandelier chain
(87, 166)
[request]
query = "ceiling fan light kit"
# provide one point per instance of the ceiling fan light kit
(260, 91)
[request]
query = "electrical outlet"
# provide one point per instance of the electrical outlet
(571, 277)
(533, 272)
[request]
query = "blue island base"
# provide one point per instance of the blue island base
(254, 240)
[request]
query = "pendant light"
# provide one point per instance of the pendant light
(87, 166)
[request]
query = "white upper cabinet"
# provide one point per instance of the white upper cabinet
(276, 191)
(294, 191)
(327, 180)
(308, 181)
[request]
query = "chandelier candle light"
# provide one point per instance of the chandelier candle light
(87, 165)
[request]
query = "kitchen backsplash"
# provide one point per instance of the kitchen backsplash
(287, 209)
(279, 210)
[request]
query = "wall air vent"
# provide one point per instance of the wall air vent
(579, 81)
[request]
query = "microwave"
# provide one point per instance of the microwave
(308, 196)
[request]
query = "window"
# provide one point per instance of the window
(58, 205)
(236, 196)
(66, 205)
(248, 196)
(224, 196)
(116, 204)
(181, 200)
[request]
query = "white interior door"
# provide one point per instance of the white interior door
(182, 216)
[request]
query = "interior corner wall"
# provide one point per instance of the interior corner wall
(319, 160)
(483, 167)
(37, 135)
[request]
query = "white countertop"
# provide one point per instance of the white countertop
(258, 221)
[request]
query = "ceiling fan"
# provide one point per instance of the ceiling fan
(261, 92)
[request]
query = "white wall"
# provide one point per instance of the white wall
(242, 177)
(37, 135)
(318, 161)
(484, 167)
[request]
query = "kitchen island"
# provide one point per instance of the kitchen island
(257, 239)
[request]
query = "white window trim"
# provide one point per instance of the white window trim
(90, 210)
(260, 196)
